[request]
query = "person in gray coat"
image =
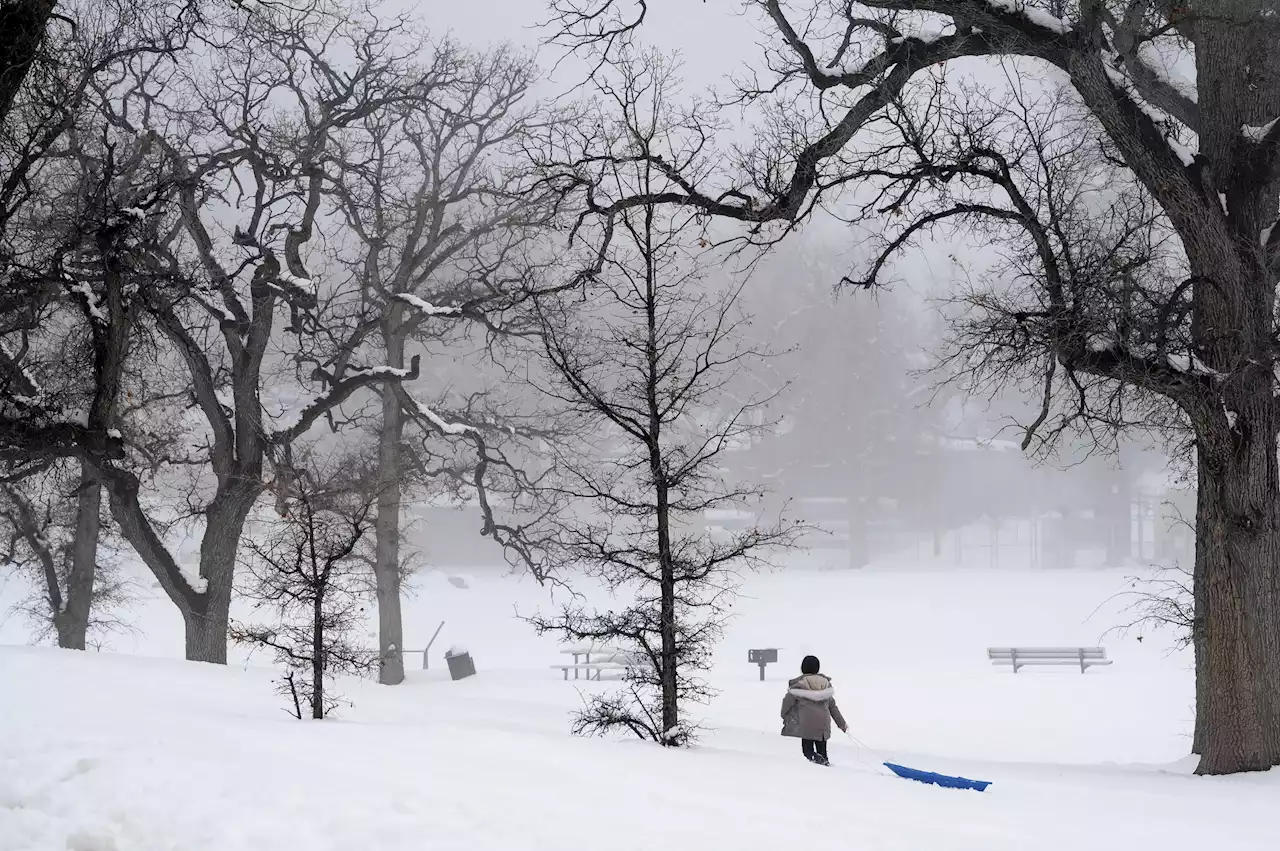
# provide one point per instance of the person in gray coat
(808, 709)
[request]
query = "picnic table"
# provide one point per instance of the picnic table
(581, 654)
(608, 658)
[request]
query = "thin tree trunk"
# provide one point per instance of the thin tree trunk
(669, 674)
(317, 655)
(73, 620)
(387, 528)
(667, 617)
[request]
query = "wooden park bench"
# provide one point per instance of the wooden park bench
(1021, 657)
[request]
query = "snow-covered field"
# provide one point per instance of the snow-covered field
(110, 752)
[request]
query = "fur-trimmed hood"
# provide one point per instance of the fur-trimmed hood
(812, 687)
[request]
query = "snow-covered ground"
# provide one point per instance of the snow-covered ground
(110, 752)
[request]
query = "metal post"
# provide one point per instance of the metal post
(1013, 657)
(427, 652)
(762, 671)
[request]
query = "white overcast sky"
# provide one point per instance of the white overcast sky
(711, 36)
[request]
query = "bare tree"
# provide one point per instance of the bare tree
(45, 92)
(81, 210)
(40, 514)
(445, 225)
(1162, 602)
(849, 63)
(254, 130)
(305, 571)
(644, 355)
(82, 246)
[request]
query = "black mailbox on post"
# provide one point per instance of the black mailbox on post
(762, 657)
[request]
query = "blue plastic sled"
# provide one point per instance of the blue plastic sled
(939, 779)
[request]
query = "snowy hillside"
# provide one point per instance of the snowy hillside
(105, 752)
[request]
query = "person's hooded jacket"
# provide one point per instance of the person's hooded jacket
(809, 707)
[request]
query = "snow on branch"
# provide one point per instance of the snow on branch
(384, 371)
(1039, 17)
(283, 246)
(306, 286)
(195, 581)
(30, 393)
(339, 391)
(1259, 134)
(426, 306)
(1192, 365)
(90, 300)
(1112, 65)
(436, 420)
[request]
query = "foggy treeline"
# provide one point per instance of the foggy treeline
(289, 289)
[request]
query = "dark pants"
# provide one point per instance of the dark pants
(812, 747)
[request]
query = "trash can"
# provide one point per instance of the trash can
(460, 664)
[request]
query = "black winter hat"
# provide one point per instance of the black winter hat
(809, 665)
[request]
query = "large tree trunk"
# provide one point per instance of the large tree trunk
(386, 568)
(1239, 724)
(205, 636)
(1233, 325)
(206, 625)
(1198, 643)
(73, 620)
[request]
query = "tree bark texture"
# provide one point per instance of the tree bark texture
(387, 526)
(667, 614)
(317, 654)
(1238, 553)
(73, 620)
(1198, 643)
(207, 623)
(1233, 324)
